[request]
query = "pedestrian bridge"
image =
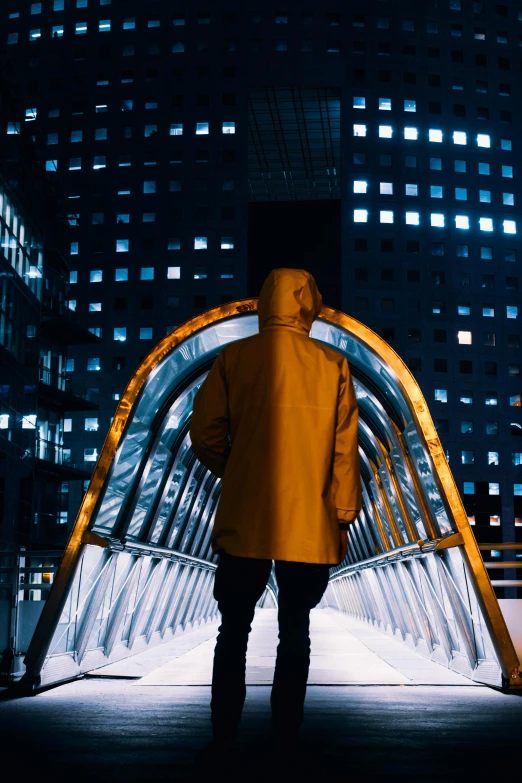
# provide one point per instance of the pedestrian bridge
(138, 568)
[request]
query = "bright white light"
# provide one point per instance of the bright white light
(386, 188)
(359, 103)
(360, 216)
(464, 338)
(412, 218)
(4, 421)
(483, 140)
(510, 227)
(437, 219)
(385, 131)
(201, 128)
(360, 186)
(385, 104)
(386, 216)
(486, 224)
(411, 133)
(359, 130)
(459, 137)
(35, 271)
(435, 135)
(462, 221)
(411, 189)
(29, 422)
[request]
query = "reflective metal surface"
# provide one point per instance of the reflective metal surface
(139, 568)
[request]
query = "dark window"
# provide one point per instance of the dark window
(413, 276)
(440, 365)
(438, 278)
(466, 366)
(385, 76)
(386, 245)
(388, 275)
(388, 332)
(434, 52)
(203, 99)
(412, 246)
(120, 302)
(172, 302)
(433, 80)
(490, 368)
(228, 213)
(414, 306)
(437, 248)
(459, 110)
(415, 363)
(201, 213)
(384, 49)
(229, 99)
(434, 107)
(202, 70)
(229, 72)
(441, 425)
(200, 300)
(388, 305)
(482, 60)
(439, 335)
(409, 77)
(229, 156)
(361, 274)
(409, 50)
(513, 341)
(361, 303)
(505, 116)
(463, 278)
(360, 245)
(177, 100)
(358, 47)
(488, 281)
(504, 64)
(359, 74)
(457, 56)
(512, 283)
(118, 362)
(147, 243)
(504, 90)
(414, 334)
(482, 113)
(147, 302)
(178, 72)
(385, 160)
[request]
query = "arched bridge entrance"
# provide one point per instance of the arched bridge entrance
(138, 567)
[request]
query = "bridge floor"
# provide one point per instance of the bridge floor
(344, 652)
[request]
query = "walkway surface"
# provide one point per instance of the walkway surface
(344, 652)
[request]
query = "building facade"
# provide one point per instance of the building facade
(165, 124)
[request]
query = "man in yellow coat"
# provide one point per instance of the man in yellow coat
(276, 419)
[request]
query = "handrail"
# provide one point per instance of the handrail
(129, 545)
(407, 551)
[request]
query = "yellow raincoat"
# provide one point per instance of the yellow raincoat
(276, 418)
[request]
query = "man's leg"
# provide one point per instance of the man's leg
(239, 584)
(301, 587)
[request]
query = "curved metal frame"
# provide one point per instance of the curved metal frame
(81, 535)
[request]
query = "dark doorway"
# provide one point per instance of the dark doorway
(299, 235)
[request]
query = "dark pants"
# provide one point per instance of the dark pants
(239, 584)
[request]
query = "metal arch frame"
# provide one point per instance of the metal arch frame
(80, 534)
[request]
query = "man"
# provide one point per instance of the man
(276, 419)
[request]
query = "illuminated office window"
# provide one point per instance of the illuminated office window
(129, 24)
(435, 135)
(463, 309)
(485, 196)
(437, 219)
(93, 364)
(459, 137)
(57, 31)
(507, 171)
(436, 191)
(51, 165)
(35, 35)
(492, 458)
(359, 130)
(491, 398)
(120, 334)
(99, 162)
(104, 25)
(386, 216)
(227, 243)
(386, 188)
(516, 458)
(200, 243)
(464, 338)
(410, 105)
(173, 272)
(360, 216)
(412, 218)
(229, 127)
(80, 28)
(91, 424)
(359, 103)
(462, 221)
(511, 311)
(202, 128)
(488, 311)
(146, 333)
(385, 131)
(411, 189)
(200, 273)
(469, 487)
(508, 199)
(176, 129)
(147, 273)
(510, 227)
(484, 168)
(360, 186)
(483, 140)
(121, 274)
(517, 489)
(467, 457)
(493, 488)
(149, 186)
(174, 243)
(122, 245)
(75, 164)
(466, 398)
(486, 224)
(96, 276)
(73, 248)
(411, 134)
(385, 104)
(441, 395)
(506, 144)
(494, 519)
(515, 400)
(95, 307)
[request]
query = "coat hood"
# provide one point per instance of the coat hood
(289, 297)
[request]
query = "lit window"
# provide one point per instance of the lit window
(464, 338)
(122, 245)
(412, 218)
(463, 309)
(491, 399)
(506, 144)
(173, 272)
(471, 519)
(75, 164)
(91, 424)
(29, 422)
(411, 189)
(147, 273)
(459, 137)
(200, 272)
(411, 133)
(486, 224)
(386, 188)
(360, 186)
(120, 333)
(81, 28)
(227, 243)
(494, 520)
(467, 457)
(508, 199)
(12, 38)
(202, 128)
(90, 455)
(516, 458)
(69, 365)
(99, 162)
(93, 365)
(150, 130)
(95, 307)
(469, 488)
(174, 243)
(385, 131)
(359, 103)
(493, 488)
(359, 130)
(104, 25)
(484, 168)
(57, 31)
(121, 274)
(507, 171)
(51, 165)
(385, 104)
(410, 105)
(515, 400)
(441, 395)
(510, 227)
(149, 186)
(71, 304)
(229, 127)
(511, 311)
(74, 248)
(488, 312)
(437, 219)
(176, 129)
(146, 333)
(129, 24)
(34, 35)
(517, 489)
(466, 398)
(96, 276)
(461, 221)
(435, 135)
(485, 196)
(360, 216)
(436, 191)
(200, 243)
(483, 140)
(386, 216)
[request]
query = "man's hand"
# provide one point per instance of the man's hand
(343, 544)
